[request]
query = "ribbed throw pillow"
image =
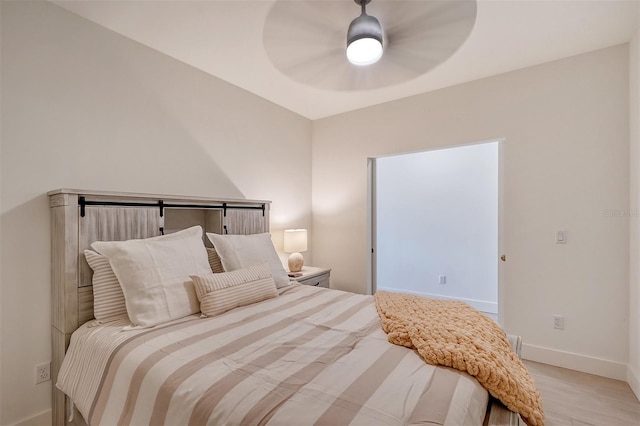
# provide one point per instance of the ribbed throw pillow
(219, 293)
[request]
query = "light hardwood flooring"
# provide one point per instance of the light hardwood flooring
(571, 398)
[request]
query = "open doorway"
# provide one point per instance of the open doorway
(435, 224)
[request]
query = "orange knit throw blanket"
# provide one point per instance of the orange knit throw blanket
(454, 334)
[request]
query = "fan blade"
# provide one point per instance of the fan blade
(422, 36)
(306, 40)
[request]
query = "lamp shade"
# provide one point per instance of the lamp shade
(295, 240)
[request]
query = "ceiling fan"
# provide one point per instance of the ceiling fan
(310, 41)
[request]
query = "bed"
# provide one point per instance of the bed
(305, 355)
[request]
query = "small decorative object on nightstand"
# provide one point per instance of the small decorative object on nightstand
(318, 277)
(295, 241)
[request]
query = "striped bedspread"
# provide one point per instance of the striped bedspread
(309, 356)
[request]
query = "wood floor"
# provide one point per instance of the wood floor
(571, 398)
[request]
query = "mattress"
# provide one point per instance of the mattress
(310, 356)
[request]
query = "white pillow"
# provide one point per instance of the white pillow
(243, 251)
(154, 274)
(219, 293)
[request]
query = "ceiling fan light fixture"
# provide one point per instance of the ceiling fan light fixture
(364, 51)
(364, 38)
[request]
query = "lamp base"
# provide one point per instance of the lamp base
(295, 262)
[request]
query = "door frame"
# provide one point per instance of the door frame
(372, 224)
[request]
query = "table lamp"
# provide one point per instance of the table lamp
(295, 241)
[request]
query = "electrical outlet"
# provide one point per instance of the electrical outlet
(43, 372)
(558, 322)
(442, 279)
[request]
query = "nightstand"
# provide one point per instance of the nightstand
(314, 276)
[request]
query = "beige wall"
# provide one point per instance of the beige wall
(633, 374)
(83, 107)
(566, 130)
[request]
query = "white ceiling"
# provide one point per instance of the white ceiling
(225, 39)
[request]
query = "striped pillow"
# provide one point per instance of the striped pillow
(214, 261)
(108, 299)
(219, 293)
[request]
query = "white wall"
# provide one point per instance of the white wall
(633, 374)
(566, 158)
(83, 107)
(437, 214)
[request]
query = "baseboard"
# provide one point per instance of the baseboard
(634, 381)
(42, 419)
(481, 305)
(573, 361)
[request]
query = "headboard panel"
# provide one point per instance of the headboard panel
(113, 224)
(78, 218)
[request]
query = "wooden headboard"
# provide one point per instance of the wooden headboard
(80, 217)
